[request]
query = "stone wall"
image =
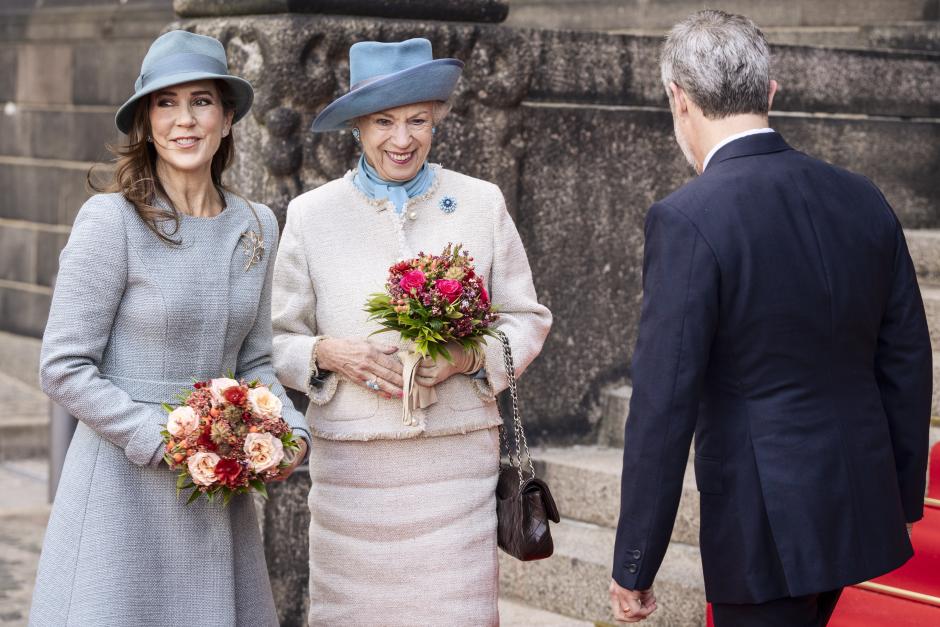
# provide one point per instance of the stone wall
(67, 65)
(574, 128)
(661, 14)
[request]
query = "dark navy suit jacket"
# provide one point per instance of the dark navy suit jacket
(782, 324)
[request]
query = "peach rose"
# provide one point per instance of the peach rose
(264, 451)
(182, 421)
(218, 386)
(264, 403)
(202, 467)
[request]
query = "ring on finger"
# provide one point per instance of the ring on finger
(372, 384)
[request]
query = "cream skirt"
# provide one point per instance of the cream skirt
(403, 532)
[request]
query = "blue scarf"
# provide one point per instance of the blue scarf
(374, 186)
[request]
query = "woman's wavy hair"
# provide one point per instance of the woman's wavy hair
(135, 170)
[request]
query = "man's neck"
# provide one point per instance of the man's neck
(712, 132)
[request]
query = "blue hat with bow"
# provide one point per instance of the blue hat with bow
(387, 75)
(181, 57)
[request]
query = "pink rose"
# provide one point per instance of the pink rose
(413, 280)
(449, 289)
(182, 421)
(264, 451)
(202, 467)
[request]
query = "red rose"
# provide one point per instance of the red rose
(449, 289)
(205, 439)
(235, 395)
(484, 297)
(413, 280)
(227, 471)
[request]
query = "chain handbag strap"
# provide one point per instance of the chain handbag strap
(520, 449)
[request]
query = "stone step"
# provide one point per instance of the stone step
(575, 579)
(625, 71)
(29, 252)
(515, 613)
(19, 358)
(907, 36)
(585, 482)
(635, 14)
(615, 407)
(924, 246)
(931, 296)
(42, 190)
(58, 132)
(87, 72)
(24, 422)
(24, 308)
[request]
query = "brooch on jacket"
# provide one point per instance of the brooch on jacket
(253, 245)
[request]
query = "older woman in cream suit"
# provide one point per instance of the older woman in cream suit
(403, 527)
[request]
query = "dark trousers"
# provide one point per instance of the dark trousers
(812, 610)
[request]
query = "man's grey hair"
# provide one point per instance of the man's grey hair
(721, 61)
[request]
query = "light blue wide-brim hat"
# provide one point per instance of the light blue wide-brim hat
(180, 57)
(387, 75)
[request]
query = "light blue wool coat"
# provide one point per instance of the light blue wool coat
(133, 321)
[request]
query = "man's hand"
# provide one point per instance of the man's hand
(295, 461)
(910, 529)
(631, 606)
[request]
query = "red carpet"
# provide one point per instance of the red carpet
(918, 578)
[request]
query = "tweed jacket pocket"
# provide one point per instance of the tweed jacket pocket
(351, 402)
(459, 394)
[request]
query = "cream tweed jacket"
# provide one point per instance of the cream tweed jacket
(336, 249)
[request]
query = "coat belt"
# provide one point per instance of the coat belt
(150, 391)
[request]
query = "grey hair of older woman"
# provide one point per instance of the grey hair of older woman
(721, 61)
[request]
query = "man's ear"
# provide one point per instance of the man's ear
(770, 94)
(679, 98)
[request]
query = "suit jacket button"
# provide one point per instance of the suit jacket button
(636, 554)
(631, 568)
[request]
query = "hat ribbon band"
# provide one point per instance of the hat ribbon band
(367, 81)
(183, 62)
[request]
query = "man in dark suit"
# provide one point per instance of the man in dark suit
(782, 324)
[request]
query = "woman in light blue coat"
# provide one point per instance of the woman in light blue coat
(165, 280)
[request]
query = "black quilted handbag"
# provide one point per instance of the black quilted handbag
(524, 504)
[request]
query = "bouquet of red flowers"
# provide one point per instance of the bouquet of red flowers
(435, 299)
(226, 438)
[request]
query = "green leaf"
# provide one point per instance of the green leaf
(259, 487)
(226, 497)
(167, 407)
(194, 496)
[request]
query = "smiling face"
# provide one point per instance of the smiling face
(187, 123)
(397, 141)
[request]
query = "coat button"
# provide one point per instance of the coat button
(636, 554)
(631, 568)
(413, 215)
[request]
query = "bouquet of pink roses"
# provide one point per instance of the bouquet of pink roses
(435, 299)
(227, 438)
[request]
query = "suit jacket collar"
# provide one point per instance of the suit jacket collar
(760, 144)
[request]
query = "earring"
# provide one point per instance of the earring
(433, 130)
(356, 133)
(225, 133)
(149, 139)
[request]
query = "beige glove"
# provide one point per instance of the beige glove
(430, 372)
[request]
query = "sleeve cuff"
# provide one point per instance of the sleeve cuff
(145, 447)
